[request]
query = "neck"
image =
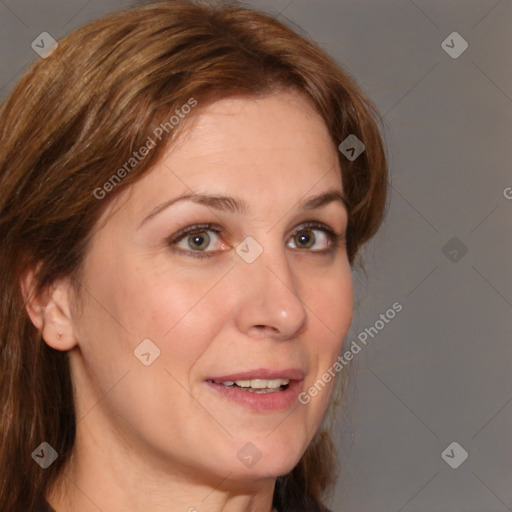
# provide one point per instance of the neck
(96, 478)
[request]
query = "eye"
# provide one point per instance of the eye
(197, 240)
(204, 240)
(315, 237)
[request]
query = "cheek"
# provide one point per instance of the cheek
(332, 303)
(181, 314)
(331, 315)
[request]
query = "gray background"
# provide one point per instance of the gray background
(440, 370)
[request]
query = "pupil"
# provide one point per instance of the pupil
(199, 240)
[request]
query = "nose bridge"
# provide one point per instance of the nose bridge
(269, 298)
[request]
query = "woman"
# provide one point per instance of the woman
(178, 231)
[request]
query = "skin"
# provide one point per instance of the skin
(156, 437)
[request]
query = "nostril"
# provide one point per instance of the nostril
(265, 327)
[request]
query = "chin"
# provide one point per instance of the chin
(263, 458)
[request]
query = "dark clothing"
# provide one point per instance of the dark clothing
(45, 507)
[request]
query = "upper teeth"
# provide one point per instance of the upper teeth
(257, 383)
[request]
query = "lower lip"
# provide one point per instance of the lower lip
(273, 401)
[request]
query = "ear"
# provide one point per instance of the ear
(50, 311)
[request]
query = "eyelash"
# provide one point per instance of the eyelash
(335, 239)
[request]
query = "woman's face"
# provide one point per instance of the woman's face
(258, 289)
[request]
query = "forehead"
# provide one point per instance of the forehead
(286, 120)
(267, 150)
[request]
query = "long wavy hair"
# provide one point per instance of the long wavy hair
(76, 117)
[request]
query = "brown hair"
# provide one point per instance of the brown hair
(75, 118)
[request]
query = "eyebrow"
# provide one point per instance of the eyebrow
(237, 205)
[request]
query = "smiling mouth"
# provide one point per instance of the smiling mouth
(258, 386)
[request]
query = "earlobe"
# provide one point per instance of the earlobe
(57, 328)
(50, 312)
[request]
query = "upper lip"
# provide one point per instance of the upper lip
(262, 373)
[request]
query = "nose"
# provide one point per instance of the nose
(268, 304)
